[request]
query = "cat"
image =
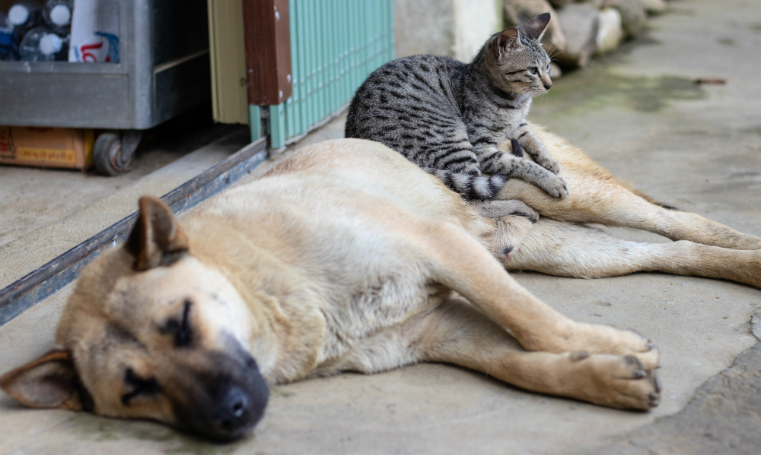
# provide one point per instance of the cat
(451, 118)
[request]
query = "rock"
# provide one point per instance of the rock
(611, 33)
(599, 4)
(519, 11)
(559, 3)
(580, 23)
(633, 15)
(556, 72)
(655, 6)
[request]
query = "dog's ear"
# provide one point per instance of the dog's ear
(48, 382)
(157, 238)
(535, 28)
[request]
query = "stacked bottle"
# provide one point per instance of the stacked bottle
(35, 32)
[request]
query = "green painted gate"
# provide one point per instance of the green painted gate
(335, 45)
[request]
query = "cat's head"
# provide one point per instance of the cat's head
(516, 62)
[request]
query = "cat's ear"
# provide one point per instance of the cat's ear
(508, 40)
(535, 28)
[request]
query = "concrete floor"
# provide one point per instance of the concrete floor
(45, 212)
(639, 114)
(31, 198)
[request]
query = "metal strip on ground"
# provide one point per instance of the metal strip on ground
(34, 287)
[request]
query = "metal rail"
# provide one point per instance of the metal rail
(34, 287)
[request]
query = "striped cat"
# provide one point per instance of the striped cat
(449, 118)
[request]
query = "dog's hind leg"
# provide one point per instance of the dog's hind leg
(455, 333)
(457, 261)
(597, 197)
(564, 249)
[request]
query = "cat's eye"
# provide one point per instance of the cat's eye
(534, 70)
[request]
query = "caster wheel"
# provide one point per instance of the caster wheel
(110, 156)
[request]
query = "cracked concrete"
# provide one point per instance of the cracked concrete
(637, 113)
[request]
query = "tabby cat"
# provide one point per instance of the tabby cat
(450, 118)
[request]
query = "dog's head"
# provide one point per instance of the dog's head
(151, 332)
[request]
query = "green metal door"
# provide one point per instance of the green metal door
(335, 45)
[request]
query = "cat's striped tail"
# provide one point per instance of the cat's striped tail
(471, 187)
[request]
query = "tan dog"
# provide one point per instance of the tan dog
(343, 258)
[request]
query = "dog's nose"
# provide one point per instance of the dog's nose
(232, 414)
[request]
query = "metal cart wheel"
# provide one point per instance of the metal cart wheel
(114, 152)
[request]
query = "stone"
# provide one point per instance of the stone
(633, 15)
(655, 6)
(559, 3)
(599, 4)
(611, 33)
(580, 24)
(519, 11)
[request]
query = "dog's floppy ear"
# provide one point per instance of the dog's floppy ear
(157, 238)
(535, 28)
(48, 382)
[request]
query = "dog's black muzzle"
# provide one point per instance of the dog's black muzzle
(226, 401)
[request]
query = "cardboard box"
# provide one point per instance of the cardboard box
(46, 147)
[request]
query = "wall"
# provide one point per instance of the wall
(457, 28)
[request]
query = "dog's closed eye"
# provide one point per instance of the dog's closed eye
(139, 386)
(180, 327)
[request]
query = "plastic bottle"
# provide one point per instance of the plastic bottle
(25, 15)
(41, 44)
(8, 39)
(57, 14)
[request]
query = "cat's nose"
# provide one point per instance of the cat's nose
(547, 86)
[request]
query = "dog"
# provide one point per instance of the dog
(347, 257)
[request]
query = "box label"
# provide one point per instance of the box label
(47, 155)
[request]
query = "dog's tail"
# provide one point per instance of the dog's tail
(471, 187)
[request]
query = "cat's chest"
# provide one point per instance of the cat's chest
(500, 121)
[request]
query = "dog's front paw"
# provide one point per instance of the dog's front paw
(613, 380)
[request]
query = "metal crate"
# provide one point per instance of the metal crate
(163, 71)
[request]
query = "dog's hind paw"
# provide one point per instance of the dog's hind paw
(598, 339)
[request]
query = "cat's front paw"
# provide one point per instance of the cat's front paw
(555, 186)
(549, 164)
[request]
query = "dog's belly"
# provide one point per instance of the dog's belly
(375, 289)
(371, 277)
(367, 332)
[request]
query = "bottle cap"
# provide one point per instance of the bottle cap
(50, 43)
(60, 15)
(18, 14)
